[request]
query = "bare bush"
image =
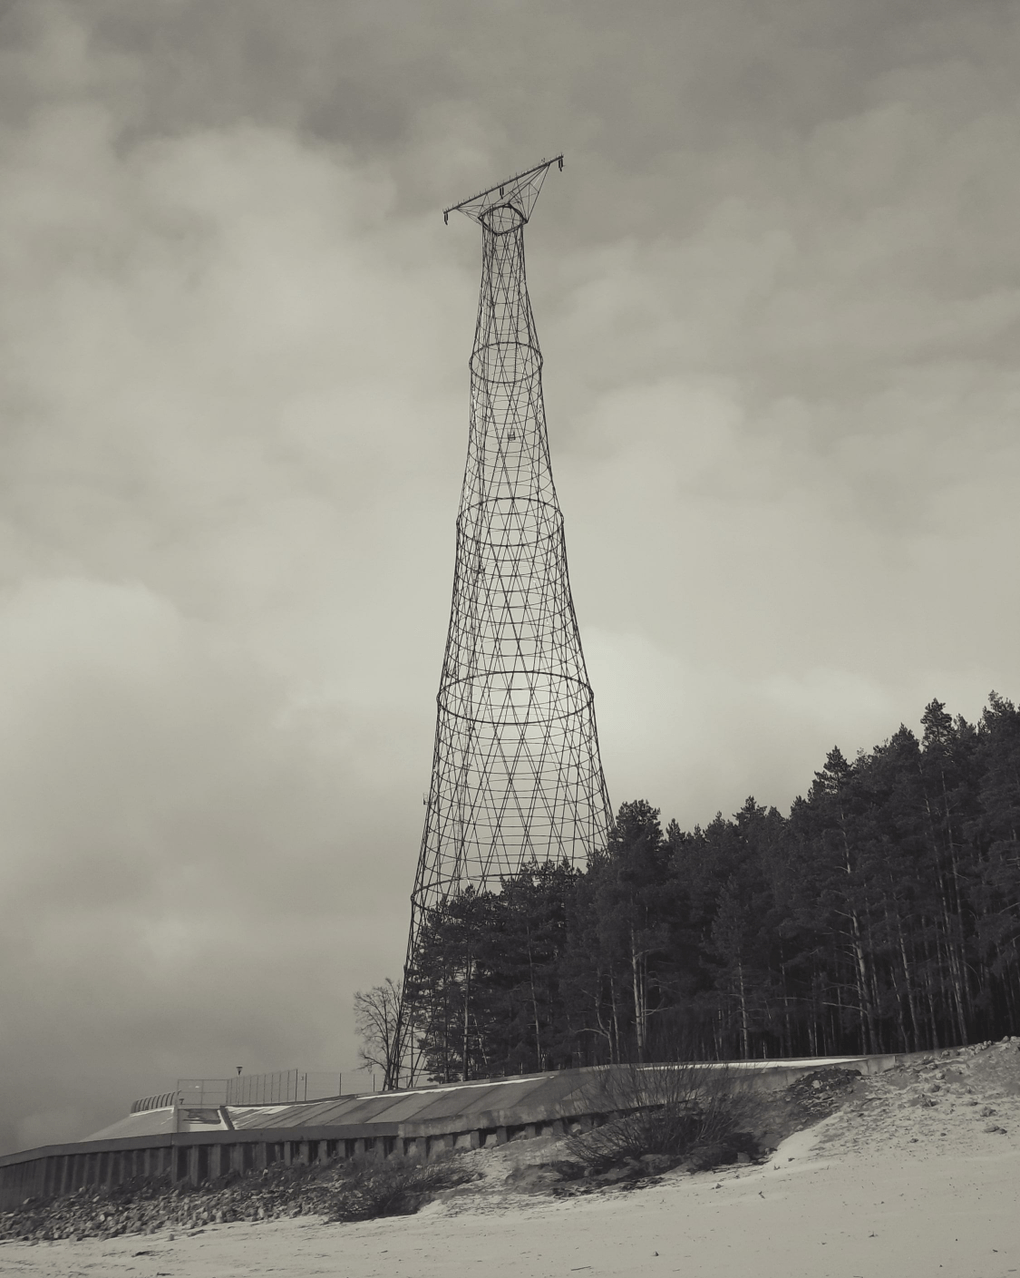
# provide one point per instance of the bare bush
(679, 1111)
(365, 1188)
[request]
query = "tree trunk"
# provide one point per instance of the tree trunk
(638, 977)
(745, 1038)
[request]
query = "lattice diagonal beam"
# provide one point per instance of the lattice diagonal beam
(516, 773)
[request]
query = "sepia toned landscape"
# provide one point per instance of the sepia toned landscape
(914, 1172)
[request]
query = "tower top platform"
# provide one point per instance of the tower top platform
(518, 193)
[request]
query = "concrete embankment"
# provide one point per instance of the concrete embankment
(194, 1146)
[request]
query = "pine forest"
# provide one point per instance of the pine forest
(881, 914)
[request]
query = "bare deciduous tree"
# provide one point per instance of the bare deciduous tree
(375, 1019)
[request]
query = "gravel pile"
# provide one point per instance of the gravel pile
(957, 1098)
(354, 1190)
(818, 1094)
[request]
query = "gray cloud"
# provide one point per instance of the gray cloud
(778, 297)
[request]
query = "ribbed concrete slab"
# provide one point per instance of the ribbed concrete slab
(464, 1101)
(506, 1101)
(153, 1122)
(343, 1111)
(378, 1108)
(400, 1107)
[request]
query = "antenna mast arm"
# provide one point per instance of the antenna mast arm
(519, 183)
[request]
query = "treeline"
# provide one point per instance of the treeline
(881, 914)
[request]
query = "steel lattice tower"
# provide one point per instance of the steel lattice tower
(516, 774)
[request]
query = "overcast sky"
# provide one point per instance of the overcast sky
(777, 289)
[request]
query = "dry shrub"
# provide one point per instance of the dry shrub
(365, 1188)
(680, 1112)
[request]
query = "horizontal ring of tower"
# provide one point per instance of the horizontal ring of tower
(507, 507)
(492, 358)
(539, 695)
(501, 219)
(491, 549)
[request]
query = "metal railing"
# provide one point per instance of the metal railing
(202, 1093)
(282, 1087)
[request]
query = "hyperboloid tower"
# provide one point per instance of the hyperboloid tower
(516, 774)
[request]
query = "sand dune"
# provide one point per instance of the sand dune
(919, 1174)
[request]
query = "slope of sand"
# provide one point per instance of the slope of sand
(919, 1174)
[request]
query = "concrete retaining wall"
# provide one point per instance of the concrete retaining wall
(197, 1156)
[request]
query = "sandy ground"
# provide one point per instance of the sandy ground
(918, 1175)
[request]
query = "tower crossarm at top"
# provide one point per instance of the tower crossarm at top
(518, 192)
